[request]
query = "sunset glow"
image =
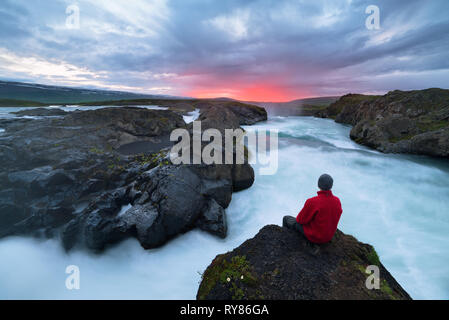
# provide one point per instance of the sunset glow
(252, 92)
(247, 50)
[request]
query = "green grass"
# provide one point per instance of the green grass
(426, 125)
(310, 107)
(401, 138)
(385, 288)
(350, 99)
(231, 273)
(373, 257)
(156, 158)
(20, 103)
(96, 151)
(432, 99)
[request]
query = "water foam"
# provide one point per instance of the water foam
(397, 203)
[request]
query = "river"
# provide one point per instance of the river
(397, 203)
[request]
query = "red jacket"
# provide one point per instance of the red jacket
(319, 217)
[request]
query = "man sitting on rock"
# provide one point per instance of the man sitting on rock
(319, 218)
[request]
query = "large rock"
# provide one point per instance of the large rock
(218, 118)
(96, 177)
(164, 201)
(280, 263)
(41, 112)
(345, 109)
(213, 219)
(400, 122)
(246, 114)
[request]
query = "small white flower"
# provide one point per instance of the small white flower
(228, 279)
(241, 277)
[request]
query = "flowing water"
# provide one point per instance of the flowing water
(397, 203)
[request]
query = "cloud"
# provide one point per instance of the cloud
(61, 72)
(234, 25)
(37, 67)
(282, 49)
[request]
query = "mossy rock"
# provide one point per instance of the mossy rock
(235, 273)
(279, 263)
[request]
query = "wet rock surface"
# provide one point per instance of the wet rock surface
(96, 177)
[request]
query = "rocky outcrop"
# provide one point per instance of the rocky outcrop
(414, 122)
(307, 107)
(246, 113)
(280, 263)
(94, 178)
(344, 110)
(47, 112)
(219, 118)
(161, 203)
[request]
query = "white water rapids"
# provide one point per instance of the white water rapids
(397, 203)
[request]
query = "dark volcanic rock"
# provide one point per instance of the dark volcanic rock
(400, 122)
(242, 176)
(279, 263)
(218, 118)
(247, 114)
(41, 112)
(51, 167)
(213, 219)
(96, 177)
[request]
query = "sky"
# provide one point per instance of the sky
(256, 50)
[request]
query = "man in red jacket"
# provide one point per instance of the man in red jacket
(319, 218)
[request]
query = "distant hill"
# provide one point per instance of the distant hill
(20, 103)
(20, 94)
(17, 94)
(38, 93)
(299, 107)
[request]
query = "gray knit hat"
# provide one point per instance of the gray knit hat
(325, 182)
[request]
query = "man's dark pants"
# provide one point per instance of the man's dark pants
(291, 223)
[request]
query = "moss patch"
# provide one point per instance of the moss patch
(373, 257)
(401, 138)
(426, 125)
(234, 274)
(310, 107)
(348, 100)
(96, 150)
(20, 103)
(157, 158)
(385, 288)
